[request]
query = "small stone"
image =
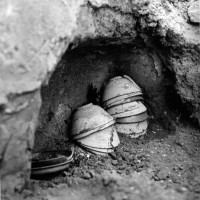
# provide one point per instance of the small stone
(175, 178)
(27, 193)
(125, 156)
(128, 172)
(175, 168)
(194, 12)
(141, 164)
(162, 175)
(92, 174)
(120, 159)
(156, 178)
(103, 160)
(141, 137)
(119, 171)
(119, 153)
(113, 155)
(181, 189)
(86, 176)
(66, 173)
(126, 149)
(122, 167)
(131, 158)
(114, 162)
(138, 170)
(133, 164)
(120, 162)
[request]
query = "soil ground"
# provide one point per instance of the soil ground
(164, 164)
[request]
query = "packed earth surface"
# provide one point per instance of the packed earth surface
(163, 164)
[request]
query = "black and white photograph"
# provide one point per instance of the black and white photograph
(99, 99)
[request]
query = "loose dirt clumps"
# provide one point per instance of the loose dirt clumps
(164, 164)
(108, 186)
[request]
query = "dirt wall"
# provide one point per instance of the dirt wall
(68, 87)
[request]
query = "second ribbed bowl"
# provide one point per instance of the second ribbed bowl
(93, 128)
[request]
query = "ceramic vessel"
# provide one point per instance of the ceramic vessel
(97, 152)
(85, 134)
(136, 135)
(114, 102)
(122, 108)
(89, 119)
(134, 118)
(50, 162)
(122, 98)
(93, 128)
(137, 128)
(120, 86)
(102, 150)
(106, 138)
(140, 108)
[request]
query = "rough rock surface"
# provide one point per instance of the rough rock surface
(35, 34)
(165, 23)
(194, 12)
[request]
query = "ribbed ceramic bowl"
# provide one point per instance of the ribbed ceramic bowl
(119, 86)
(121, 108)
(136, 135)
(119, 99)
(135, 109)
(85, 134)
(89, 119)
(122, 100)
(97, 152)
(50, 162)
(132, 119)
(132, 128)
(106, 138)
(103, 150)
